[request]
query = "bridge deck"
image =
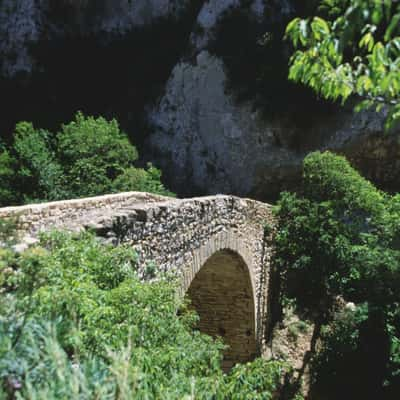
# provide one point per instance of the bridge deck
(76, 214)
(94, 212)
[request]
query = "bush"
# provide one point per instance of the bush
(257, 380)
(80, 324)
(88, 157)
(329, 177)
(340, 240)
(353, 357)
(143, 180)
(93, 152)
(7, 194)
(8, 237)
(38, 173)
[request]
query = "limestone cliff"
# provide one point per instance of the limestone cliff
(23, 23)
(213, 142)
(199, 78)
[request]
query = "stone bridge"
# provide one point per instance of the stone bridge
(217, 245)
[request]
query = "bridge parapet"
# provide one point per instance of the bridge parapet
(72, 215)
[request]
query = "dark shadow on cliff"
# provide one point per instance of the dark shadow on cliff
(256, 60)
(113, 75)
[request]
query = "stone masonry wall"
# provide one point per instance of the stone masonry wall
(175, 236)
(73, 215)
(221, 294)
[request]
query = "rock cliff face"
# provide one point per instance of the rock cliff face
(218, 112)
(24, 23)
(107, 57)
(215, 143)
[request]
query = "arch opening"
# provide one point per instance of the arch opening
(222, 295)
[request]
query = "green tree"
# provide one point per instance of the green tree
(89, 156)
(93, 153)
(7, 166)
(142, 180)
(339, 241)
(351, 48)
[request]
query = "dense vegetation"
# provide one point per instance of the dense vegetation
(338, 242)
(88, 157)
(77, 323)
(351, 47)
(338, 252)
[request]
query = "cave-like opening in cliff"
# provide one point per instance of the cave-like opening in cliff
(222, 295)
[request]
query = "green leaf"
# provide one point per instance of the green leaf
(393, 26)
(364, 105)
(367, 41)
(320, 28)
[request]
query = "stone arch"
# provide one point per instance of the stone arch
(221, 290)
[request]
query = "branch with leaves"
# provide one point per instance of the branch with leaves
(352, 48)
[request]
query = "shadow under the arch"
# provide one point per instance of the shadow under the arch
(221, 293)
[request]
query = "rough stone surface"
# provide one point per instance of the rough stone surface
(222, 296)
(74, 215)
(214, 144)
(25, 22)
(19, 26)
(294, 340)
(207, 20)
(210, 140)
(180, 237)
(205, 141)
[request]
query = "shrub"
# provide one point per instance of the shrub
(340, 240)
(88, 157)
(257, 380)
(329, 177)
(7, 167)
(142, 180)
(8, 231)
(38, 174)
(93, 152)
(38, 367)
(8, 237)
(80, 324)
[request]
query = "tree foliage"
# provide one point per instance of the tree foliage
(351, 48)
(76, 322)
(339, 241)
(89, 156)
